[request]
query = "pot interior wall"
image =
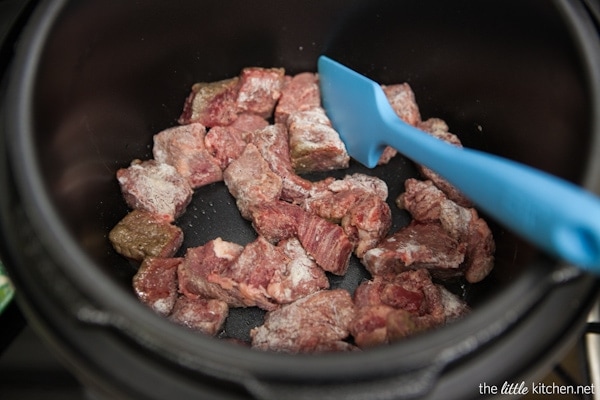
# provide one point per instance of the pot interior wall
(114, 73)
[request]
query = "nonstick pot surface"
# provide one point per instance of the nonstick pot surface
(95, 80)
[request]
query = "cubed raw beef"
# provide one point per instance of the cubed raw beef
(212, 103)
(155, 283)
(225, 144)
(183, 147)
(417, 246)
(395, 307)
(155, 187)
(318, 321)
(211, 258)
(273, 144)
(367, 223)
(141, 234)
(326, 242)
(206, 316)
(251, 181)
(299, 277)
(366, 183)
(248, 123)
(259, 90)
(277, 220)
(300, 93)
(333, 198)
(249, 276)
(438, 128)
(403, 102)
(314, 144)
(426, 203)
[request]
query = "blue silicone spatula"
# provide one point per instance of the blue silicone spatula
(553, 214)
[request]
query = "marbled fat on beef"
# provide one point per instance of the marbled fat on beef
(141, 234)
(155, 187)
(317, 322)
(155, 283)
(184, 148)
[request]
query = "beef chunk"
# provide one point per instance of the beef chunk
(225, 144)
(249, 276)
(300, 93)
(438, 128)
(389, 309)
(325, 242)
(403, 102)
(314, 144)
(259, 90)
(200, 262)
(427, 203)
(141, 234)
(273, 144)
(318, 321)
(277, 220)
(155, 283)
(417, 246)
(251, 181)
(212, 103)
(366, 223)
(155, 187)
(299, 277)
(183, 147)
(206, 316)
(332, 199)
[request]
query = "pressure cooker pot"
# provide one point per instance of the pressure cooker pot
(93, 81)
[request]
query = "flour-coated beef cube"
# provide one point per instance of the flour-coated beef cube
(427, 203)
(155, 283)
(259, 90)
(184, 148)
(211, 103)
(251, 181)
(367, 223)
(403, 102)
(273, 144)
(141, 234)
(314, 144)
(277, 220)
(417, 246)
(326, 242)
(200, 262)
(155, 187)
(206, 316)
(300, 93)
(438, 128)
(318, 321)
(249, 276)
(299, 277)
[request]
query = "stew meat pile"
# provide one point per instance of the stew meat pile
(257, 133)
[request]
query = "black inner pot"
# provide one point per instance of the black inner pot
(94, 80)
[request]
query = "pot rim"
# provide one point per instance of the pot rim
(123, 311)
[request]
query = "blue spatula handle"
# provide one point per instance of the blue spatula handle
(558, 216)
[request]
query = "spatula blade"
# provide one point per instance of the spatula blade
(356, 106)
